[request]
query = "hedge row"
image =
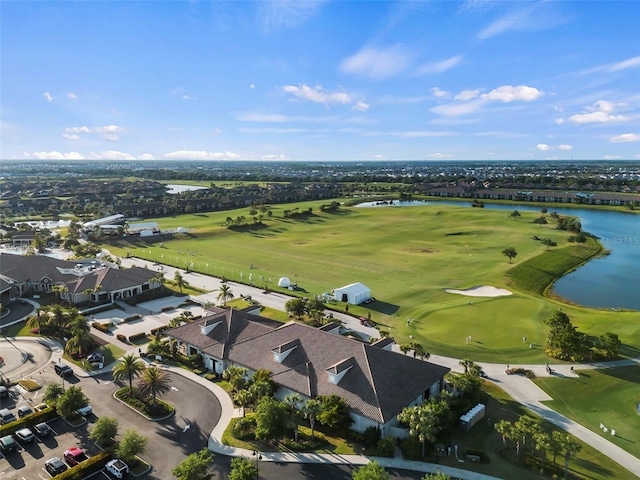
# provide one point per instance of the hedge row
(155, 331)
(132, 318)
(28, 421)
(103, 327)
(167, 308)
(137, 336)
(88, 467)
(121, 337)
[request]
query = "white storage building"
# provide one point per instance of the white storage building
(355, 294)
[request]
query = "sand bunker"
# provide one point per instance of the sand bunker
(481, 291)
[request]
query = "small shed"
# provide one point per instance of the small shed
(355, 294)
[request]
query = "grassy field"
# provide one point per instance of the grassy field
(407, 256)
(608, 396)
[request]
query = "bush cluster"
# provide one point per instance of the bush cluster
(137, 336)
(131, 318)
(103, 327)
(157, 330)
(88, 467)
(121, 337)
(28, 421)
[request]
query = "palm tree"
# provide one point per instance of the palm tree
(423, 423)
(242, 398)
(311, 410)
(504, 428)
(466, 363)
(81, 342)
(128, 367)
(153, 382)
(419, 351)
(571, 447)
(543, 443)
(225, 293)
(180, 281)
(510, 253)
(292, 400)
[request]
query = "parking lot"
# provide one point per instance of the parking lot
(27, 462)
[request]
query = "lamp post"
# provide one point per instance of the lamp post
(296, 275)
(258, 458)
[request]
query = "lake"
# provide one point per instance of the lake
(610, 281)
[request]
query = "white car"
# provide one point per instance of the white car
(117, 468)
(84, 411)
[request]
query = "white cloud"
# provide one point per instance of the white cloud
(467, 95)
(176, 90)
(625, 137)
(186, 97)
(565, 147)
(108, 132)
(455, 109)
(48, 96)
(110, 155)
(201, 155)
(288, 14)
(508, 93)
(439, 67)
(317, 94)
(72, 96)
(440, 93)
(423, 134)
(377, 64)
(217, 131)
(146, 156)
(252, 86)
(625, 64)
(439, 156)
(361, 106)
(274, 157)
(598, 117)
(542, 147)
(611, 157)
(278, 118)
(54, 155)
(526, 17)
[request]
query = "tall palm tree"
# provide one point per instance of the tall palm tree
(128, 367)
(225, 293)
(292, 401)
(154, 382)
(311, 410)
(242, 398)
(180, 281)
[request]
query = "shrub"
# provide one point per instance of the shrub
(484, 458)
(92, 465)
(385, 447)
(196, 360)
(132, 318)
(411, 448)
(137, 336)
(29, 385)
(103, 327)
(29, 421)
(167, 308)
(155, 331)
(212, 377)
(371, 436)
(121, 337)
(301, 445)
(244, 428)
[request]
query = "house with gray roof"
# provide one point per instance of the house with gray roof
(376, 382)
(80, 280)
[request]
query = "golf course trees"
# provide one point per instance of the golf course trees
(335, 412)
(564, 341)
(104, 431)
(542, 220)
(510, 253)
(128, 367)
(224, 294)
(243, 468)
(515, 214)
(131, 444)
(292, 401)
(425, 421)
(236, 376)
(609, 344)
(153, 383)
(270, 418)
(243, 398)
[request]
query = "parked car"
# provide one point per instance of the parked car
(55, 466)
(62, 369)
(6, 416)
(4, 392)
(95, 358)
(74, 456)
(25, 435)
(40, 407)
(117, 468)
(24, 411)
(84, 411)
(8, 444)
(42, 429)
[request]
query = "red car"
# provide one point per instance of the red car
(74, 456)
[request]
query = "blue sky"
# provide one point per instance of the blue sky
(320, 80)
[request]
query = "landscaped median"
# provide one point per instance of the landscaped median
(161, 411)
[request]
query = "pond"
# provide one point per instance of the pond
(173, 189)
(607, 282)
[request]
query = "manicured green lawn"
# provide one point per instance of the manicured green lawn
(407, 256)
(609, 396)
